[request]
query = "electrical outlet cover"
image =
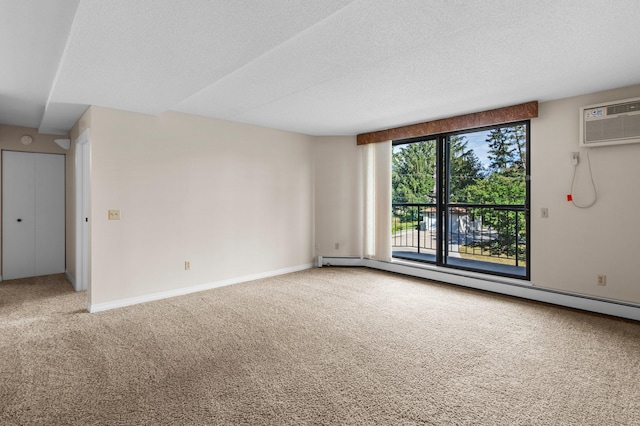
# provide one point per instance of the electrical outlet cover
(114, 214)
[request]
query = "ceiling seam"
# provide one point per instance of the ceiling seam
(274, 48)
(54, 82)
(320, 83)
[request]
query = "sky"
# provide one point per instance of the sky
(477, 141)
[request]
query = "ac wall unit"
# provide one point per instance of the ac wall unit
(610, 123)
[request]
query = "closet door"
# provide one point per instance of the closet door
(33, 224)
(18, 215)
(49, 213)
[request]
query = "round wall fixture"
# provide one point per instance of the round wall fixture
(26, 140)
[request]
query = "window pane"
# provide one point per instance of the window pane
(487, 170)
(414, 219)
(488, 166)
(413, 174)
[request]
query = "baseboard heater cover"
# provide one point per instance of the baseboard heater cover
(339, 261)
(554, 297)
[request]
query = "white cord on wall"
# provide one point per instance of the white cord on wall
(593, 185)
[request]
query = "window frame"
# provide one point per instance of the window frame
(443, 204)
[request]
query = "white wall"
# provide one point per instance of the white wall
(573, 246)
(338, 174)
(234, 200)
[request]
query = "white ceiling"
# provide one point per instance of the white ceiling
(320, 67)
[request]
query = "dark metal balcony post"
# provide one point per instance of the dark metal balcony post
(418, 211)
(517, 232)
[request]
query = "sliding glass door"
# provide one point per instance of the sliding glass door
(460, 200)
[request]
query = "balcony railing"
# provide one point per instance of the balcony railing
(493, 234)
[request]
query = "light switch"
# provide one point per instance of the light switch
(114, 214)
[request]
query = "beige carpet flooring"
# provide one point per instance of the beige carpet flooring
(329, 346)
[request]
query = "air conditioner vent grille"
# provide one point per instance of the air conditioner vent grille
(610, 123)
(614, 128)
(622, 108)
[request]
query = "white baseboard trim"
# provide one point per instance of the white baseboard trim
(524, 290)
(71, 280)
(508, 287)
(339, 261)
(99, 307)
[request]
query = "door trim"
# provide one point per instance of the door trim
(82, 184)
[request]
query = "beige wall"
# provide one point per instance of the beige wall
(338, 174)
(10, 141)
(238, 200)
(572, 246)
(232, 199)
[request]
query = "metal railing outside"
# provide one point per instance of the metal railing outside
(486, 232)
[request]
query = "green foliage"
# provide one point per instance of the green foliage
(498, 188)
(507, 150)
(414, 170)
(465, 169)
(413, 173)
(500, 151)
(505, 184)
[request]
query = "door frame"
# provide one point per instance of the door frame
(443, 205)
(83, 232)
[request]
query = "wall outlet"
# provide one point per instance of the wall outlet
(114, 214)
(187, 265)
(544, 213)
(602, 280)
(337, 246)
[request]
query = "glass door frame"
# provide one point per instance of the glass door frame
(444, 206)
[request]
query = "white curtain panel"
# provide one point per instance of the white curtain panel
(377, 200)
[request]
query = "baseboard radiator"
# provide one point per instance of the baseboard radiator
(339, 261)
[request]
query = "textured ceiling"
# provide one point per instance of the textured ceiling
(318, 67)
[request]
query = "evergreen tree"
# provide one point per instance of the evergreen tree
(507, 151)
(501, 150)
(517, 139)
(413, 173)
(465, 170)
(507, 154)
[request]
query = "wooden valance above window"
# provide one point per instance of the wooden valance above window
(452, 124)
